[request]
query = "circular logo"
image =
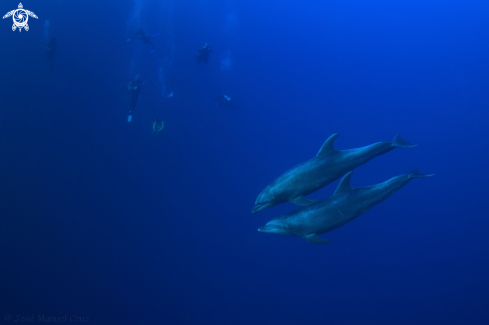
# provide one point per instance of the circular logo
(20, 18)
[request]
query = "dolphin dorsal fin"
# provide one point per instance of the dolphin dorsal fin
(344, 184)
(328, 147)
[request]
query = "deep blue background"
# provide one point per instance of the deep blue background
(100, 218)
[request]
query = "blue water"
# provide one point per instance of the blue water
(100, 218)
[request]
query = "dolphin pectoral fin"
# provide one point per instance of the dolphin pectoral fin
(328, 147)
(302, 201)
(315, 239)
(400, 142)
(414, 173)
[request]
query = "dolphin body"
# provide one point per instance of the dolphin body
(328, 165)
(346, 204)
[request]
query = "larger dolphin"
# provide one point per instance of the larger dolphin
(346, 204)
(328, 165)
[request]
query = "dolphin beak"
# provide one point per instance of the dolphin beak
(264, 229)
(261, 206)
(257, 208)
(271, 229)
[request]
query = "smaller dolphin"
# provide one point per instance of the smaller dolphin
(328, 165)
(346, 204)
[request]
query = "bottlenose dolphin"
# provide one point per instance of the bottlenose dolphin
(328, 165)
(346, 204)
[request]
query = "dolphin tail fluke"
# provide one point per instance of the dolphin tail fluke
(414, 173)
(400, 142)
(315, 239)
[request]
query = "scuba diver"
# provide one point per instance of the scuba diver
(224, 101)
(140, 34)
(158, 126)
(50, 50)
(204, 52)
(134, 87)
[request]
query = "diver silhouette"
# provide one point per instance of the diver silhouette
(50, 51)
(224, 101)
(141, 35)
(134, 87)
(204, 53)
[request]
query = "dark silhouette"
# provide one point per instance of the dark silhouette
(204, 53)
(224, 101)
(50, 51)
(134, 87)
(141, 35)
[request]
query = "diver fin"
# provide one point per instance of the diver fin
(302, 201)
(414, 173)
(400, 142)
(344, 184)
(328, 147)
(315, 239)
